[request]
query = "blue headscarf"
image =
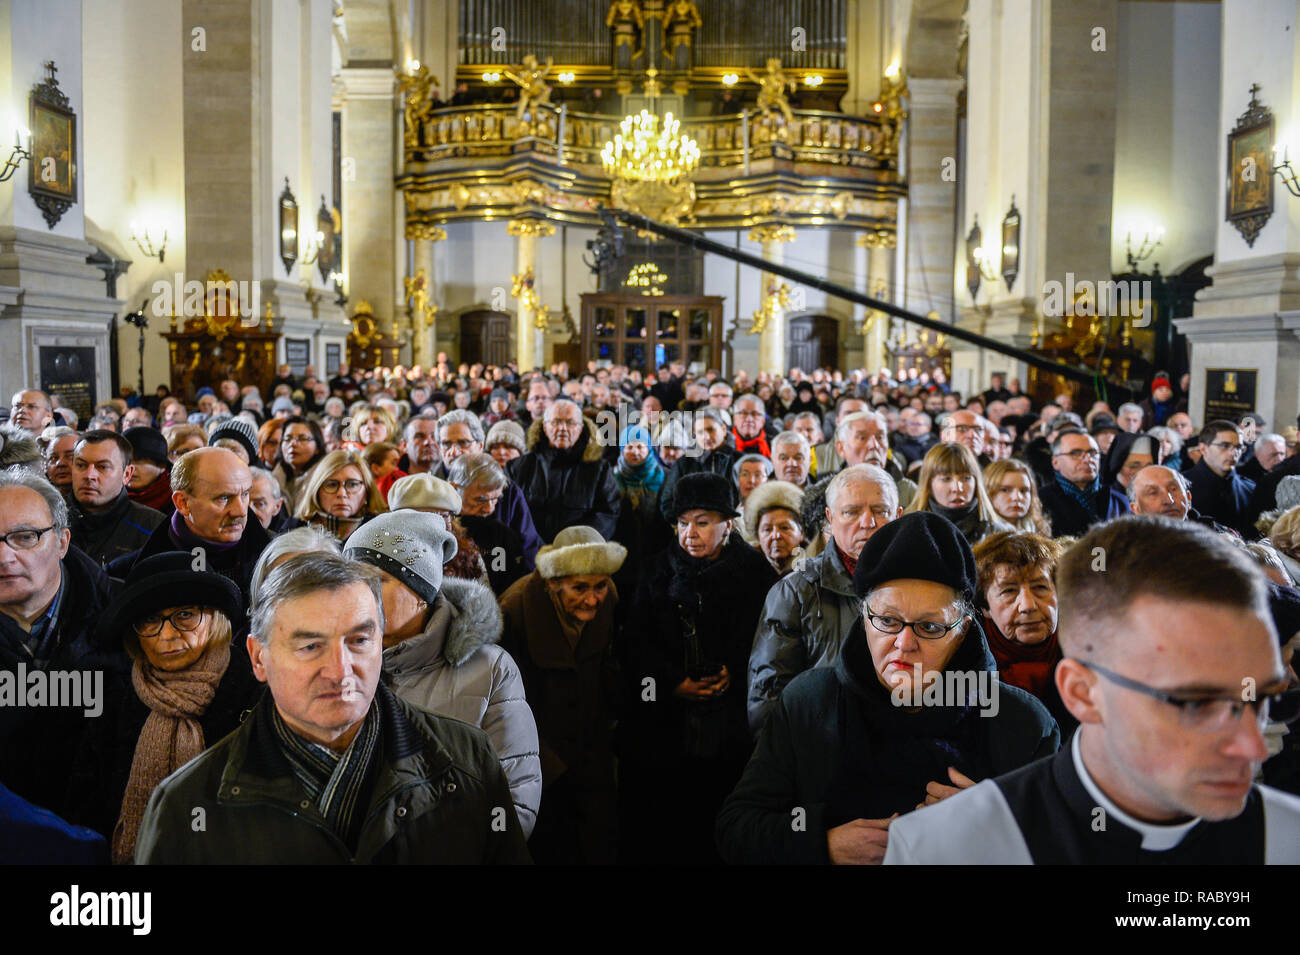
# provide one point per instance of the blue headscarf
(648, 476)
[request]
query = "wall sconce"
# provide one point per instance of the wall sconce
(1011, 244)
(1281, 169)
(974, 274)
(1147, 247)
(20, 152)
(140, 236)
(288, 228)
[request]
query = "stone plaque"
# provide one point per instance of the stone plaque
(1229, 393)
(297, 354)
(68, 373)
(333, 358)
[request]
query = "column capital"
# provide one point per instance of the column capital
(878, 239)
(772, 233)
(423, 230)
(529, 227)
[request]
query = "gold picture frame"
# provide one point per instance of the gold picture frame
(52, 168)
(1250, 169)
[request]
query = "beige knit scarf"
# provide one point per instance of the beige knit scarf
(171, 736)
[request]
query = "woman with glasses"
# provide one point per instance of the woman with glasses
(301, 446)
(1013, 493)
(951, 485)
(187, 689)
(912, 713)
(268, 442)
(340, 495)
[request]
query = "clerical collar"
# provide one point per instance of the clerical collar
(1155, 838)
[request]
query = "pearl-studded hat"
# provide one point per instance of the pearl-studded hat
(410, 545)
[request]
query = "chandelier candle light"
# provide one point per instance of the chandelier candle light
(641, 152)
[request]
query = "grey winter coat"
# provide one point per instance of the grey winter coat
(456, 669)
(806, 617)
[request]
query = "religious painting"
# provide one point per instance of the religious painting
(1250, 170)
(52, 181)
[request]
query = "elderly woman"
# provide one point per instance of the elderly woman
(1284, 535)
(186, 691)
(340, 495)
(1129, 454)
(1013, 493)
(689, 632)
(911, 713)
(639, 477)
(749, 472)
(480, 481)
(505, 442)
(772, 524)
(183, 438)
(424, 492)
(559, 628)
(1169, 446)
(1018, 596)
(440, 645)
(952, 487)
(301, 446)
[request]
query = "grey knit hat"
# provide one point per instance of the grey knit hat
(410, 545)
(1288, 492)
(236, 429)
(505, 432)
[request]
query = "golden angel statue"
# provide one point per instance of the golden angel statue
(533, 89)
(681, 20)
(627, 22)
(772, 85)
(893, 87)
(419, 90)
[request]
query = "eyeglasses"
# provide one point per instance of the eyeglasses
(463, 445)
(298, 439)
(25, 539)
(1213, 714)
(1226, 445)
(963, 428)
(1079, 454)
(186, 619)
(351, 486)
(925, 629)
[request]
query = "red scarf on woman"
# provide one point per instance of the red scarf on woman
(757, 445)
(1028, 666)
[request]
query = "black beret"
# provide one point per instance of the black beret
(167, 580)
(702, 490)
(148, 444)
(920, 546)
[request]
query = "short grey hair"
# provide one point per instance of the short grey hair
(863, 474)
(768, 466)
(262, 474)
(19, 476)
(301, 540)
(305, 574)
(470, 470)
(792, 437)
(1270, 438)
(51, 435)
(807, 416)
(750, 398)
(843, 426)
(467, 418)
(554, 407)
(1127, 406)
(422, 416)
(719, 384)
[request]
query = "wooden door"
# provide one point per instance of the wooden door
(485, 337)
(812, 342)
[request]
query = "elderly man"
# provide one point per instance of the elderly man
(266, 501)
(420, 444)
(51, 598)
(136, 418)
(1076, 498)
(537, 401)
(58, 446)
(1157, 652)
(792, 458)
(461, 432)
(918, 438)
(330, 766)
(748, 433)
(1219, 492)
(32, 411)
(559, 628)
(826, 460)
(966, 427)
(563, 475)
(891, 725)
(861, 438)
(211, 489)
(810, 611)
(1129, 417)
(1270, 451)
(1159, 490)
(481, 483)
(106, 523)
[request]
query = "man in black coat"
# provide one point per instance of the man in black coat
(213, 520)
(51, 597)
(564, 476)
(106, 523)
(1077, 499)
(1218, 491)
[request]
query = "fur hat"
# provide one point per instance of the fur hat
(1288, 492)
(18, 448)
(701, 490)
(921, 545)
(579, 550)
(236, 429)
(505, 432)
(423, 490)
(411, 547)
(766, 497)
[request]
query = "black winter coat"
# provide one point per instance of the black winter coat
(121, 529)
(835, 746)
(37, 744)
(718, 461)
(98, 776)
(235, 563)
(564, 488)
(1223, 499)
(1068, 516)
(502, 548)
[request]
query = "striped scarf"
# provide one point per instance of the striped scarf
(334, 782)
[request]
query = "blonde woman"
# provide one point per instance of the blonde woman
(1014, 494)
(370, 425)
(1285, 536)
(951, 486)
(340, 494)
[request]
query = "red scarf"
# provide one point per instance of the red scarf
(850, 563)
(157, 494)
(1028, 666)
(757, 445)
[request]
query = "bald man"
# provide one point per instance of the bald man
(1159, 490)
(965, 427)
(31, 410)
(211, 489)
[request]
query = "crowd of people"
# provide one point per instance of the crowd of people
(594, 616)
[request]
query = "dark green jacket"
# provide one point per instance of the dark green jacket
(439, 796)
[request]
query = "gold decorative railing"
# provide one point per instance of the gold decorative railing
(459, 132)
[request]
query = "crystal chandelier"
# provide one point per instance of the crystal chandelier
(642, 152)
